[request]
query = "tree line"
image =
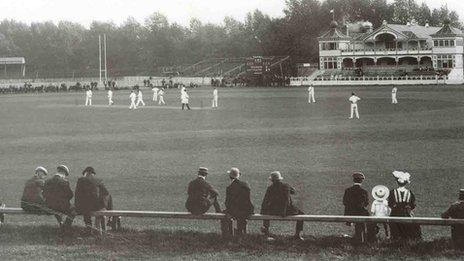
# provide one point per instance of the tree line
(69, 49)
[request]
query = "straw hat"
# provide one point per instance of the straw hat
(380, 192)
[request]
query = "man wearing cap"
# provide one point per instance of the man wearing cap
(57, 193)
(238, 202)
(456, 210)
(32, 200)
(278, 202)
(91, 195)
(201, 195)
(311, 93)
(356, 201)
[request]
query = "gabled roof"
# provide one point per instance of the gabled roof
(334, 34)
(447, 31)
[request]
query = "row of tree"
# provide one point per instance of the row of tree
(66, 48)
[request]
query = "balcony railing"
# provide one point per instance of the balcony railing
(387, 51)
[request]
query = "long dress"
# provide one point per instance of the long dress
(402, 202)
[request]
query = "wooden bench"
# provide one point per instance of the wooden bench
(432, 221)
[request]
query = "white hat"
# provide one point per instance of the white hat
(402, 177)
(64, 169)
(234, 173)
(40, 168)
(380, 192)
(275, 175)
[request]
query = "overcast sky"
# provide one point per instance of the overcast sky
(180, 11)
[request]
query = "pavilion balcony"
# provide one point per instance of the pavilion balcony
(381, 51)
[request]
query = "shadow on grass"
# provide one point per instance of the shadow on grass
(143, 243)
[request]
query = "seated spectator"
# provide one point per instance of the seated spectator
(456, 210)
(380, 207)
(201, 195)
(356, 201)
(32, 200)
(57, 193)
(278, 202)
(91, 195)
(238, 202)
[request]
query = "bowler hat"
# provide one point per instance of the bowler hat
(88, 170)
(358, 176)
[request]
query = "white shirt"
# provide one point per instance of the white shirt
(155, 90)
(394, 90)
(310, 89)
(110, 94)
(132, 96)
(184, 97)
(89, 93)
(380, 208)
(161, 92)
(215, 93)
(139, 95)
(354, 99)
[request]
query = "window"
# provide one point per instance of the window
(435, 43)
(451, 42)
(446, 43)
(445, 61)
(330, 62)
(330, 46)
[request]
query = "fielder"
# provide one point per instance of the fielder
(394, 91)
(133, 97)
(161, 97)
(311, 93)
(110, 97)
(184, 99)
(215, 98)
(155, 93)
(140, 98)
(354, 106)
(88, 98)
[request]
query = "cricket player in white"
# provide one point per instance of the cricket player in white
(133, 97)
(161, 97)
(184, 99)
(88, 98)
(110, 97)
(394, 91)
(155, 93)
(140, 98)
(354, 106)
(311, 93)
(215, 98)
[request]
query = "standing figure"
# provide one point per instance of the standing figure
(379, 206)
(278, 202)
(238, 202)
(184, 99)
(311, 93)
(32, 200)
(155, 93)
(132, 97)
(201, 195)
(354, 105)
(161, 97)
(394, 91)
(88, 97)
(402, 203)
(140, 98)
(110, 97)
(356, 201)
(57, 193)
(215, 98)
(456, 211)
(91, 195)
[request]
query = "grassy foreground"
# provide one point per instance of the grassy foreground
(43, 243)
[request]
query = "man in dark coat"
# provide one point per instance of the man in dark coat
(32, 200)
(278, 202)
(356, 201)
(456, 210)
(238, 202)
(91, 195)
(57, 193)
(201, 195)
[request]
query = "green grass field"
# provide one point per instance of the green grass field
(147, 156)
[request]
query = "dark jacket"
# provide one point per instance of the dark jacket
(201, 196)
(277, 200)
(57, 194)
(91, 195)
(456, 210)
(401, 203)
(238, 202)
(32, 199)
(356, 201)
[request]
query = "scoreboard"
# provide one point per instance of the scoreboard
(258, 65)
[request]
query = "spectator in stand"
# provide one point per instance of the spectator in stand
(356, 201)
(57, 193)
(32, 200)
(278, 202)
(238, 202)
(201, 195)
(91, 195)
(456, 211)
